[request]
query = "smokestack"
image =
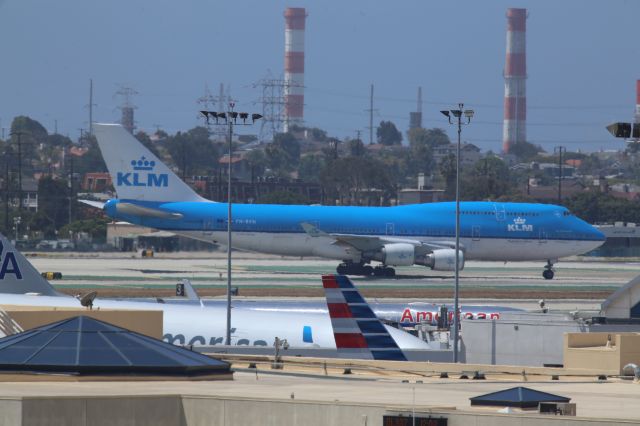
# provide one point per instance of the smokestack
(294, 66)
(515, 75)
(415, 118)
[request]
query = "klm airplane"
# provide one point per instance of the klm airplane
(150, 194)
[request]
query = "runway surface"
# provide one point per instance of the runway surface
(128, 274)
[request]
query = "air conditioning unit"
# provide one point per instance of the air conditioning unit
(557, 408)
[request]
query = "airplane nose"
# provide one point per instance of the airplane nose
(601, 235)
(597, 234)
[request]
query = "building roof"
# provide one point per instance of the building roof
(517, 397)
(78, 151)
(234, 159)
(87, 346)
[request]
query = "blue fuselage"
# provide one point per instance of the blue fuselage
(488, 230)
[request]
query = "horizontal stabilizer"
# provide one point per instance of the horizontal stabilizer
(358, 332)
(136, 210)
(92, 203)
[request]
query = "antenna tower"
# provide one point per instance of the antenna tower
(273, 102)
(209, 102)
(127, 107)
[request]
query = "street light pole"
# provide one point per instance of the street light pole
(19, 133)
(456, 292)
(16, 224)
(229, 221)
(457, 113)
(230, 118)
(560, 150)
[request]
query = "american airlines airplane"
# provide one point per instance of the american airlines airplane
(404, 314)
(150, 194)
(201, 325)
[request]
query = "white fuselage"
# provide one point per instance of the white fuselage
(206, 325)
(298, 244)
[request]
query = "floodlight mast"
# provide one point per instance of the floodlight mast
(457, 113)
(230, 118)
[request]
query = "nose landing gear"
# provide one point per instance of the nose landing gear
(548, 272)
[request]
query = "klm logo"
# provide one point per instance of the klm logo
(142, 175)
(519, 225)
(9, 264)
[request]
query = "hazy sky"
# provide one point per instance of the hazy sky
(583, 61)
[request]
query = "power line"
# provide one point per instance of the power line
(475, 105)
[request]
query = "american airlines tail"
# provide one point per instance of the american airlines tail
(356, 329)
(18, 276)
(136, 173)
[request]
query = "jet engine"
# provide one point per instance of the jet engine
(398, 254)
(444, 260)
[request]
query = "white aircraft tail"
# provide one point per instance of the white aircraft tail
(136, 173)
(18, 276)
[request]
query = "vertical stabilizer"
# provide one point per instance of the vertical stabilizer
(18, 276)
(356, 329)
(136, 173)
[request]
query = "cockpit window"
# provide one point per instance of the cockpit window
(567, 213)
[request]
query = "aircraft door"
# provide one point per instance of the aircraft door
(207, 226)
(475, 233)
(542, 236)
(390, 227)
(500, 213)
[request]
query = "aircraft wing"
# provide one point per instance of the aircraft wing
(134, 209)
(366, 243)
(137, 210)
(92, 203)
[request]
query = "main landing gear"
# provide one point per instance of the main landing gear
(548, 272)
(351, 268)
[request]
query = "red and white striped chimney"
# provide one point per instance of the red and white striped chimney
(515, 76)
(294, 66)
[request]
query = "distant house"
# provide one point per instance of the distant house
(96, 182)
(78, 151)
(569, 188)
(574, 162)
(553, 170)
(29, 195)
(469, 153)
(627, 191)
(419, 196)
(240, 166)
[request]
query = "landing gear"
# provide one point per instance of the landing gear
(384, 271)
(351, 268)
(548, 272)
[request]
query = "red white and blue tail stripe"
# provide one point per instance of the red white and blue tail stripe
(356, 329)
